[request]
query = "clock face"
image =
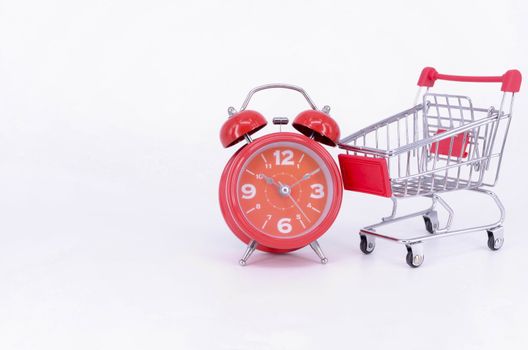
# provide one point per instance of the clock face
(284, 190)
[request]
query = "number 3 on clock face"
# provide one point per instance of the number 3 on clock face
(284, 191)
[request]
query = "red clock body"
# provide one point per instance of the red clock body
(282, 190)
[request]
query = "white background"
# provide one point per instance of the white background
(111, 235)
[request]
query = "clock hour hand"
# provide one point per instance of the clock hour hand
(268, 180)
(305, 177)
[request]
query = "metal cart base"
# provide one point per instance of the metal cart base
(414, 245)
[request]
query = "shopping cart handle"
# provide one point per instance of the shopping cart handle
(511, 80)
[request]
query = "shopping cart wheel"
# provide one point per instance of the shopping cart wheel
(367, 244)
(431, 221)
(415, 256)
(496, 238)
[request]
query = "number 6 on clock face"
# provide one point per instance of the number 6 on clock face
(284, 226)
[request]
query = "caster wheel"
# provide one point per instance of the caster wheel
(496, 238)
(431, 221)
(367, 245)
(413, 259)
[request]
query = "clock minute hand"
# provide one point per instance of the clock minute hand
(305, 177)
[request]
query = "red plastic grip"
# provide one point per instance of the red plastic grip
(367, 175)
(511, 80)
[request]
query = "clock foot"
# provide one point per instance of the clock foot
(249, 250)
(317, 249)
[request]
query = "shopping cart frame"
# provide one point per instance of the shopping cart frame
(468, 145)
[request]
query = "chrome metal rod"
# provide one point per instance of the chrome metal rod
(277, 86)
(317, 249)
(249, 250)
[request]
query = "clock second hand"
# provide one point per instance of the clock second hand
(295, 202)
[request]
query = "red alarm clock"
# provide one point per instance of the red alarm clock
(282, 191)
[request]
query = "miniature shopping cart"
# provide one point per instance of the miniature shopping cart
(443, 144)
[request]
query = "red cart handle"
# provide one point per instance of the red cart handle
(511, 80)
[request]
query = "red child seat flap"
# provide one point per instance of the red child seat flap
(460, 143)
(367, 175)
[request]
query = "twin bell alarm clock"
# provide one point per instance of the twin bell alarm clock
(280, 192)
